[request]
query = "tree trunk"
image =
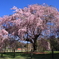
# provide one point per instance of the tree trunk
(14, 53)
(52, 53)
(21, 49)
(2, 54)
(51, 42)
(34, 45)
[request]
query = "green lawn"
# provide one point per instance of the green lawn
(20, 55)
(50, 52)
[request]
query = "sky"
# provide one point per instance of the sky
(6, 5)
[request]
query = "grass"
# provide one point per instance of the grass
(50, 51)
(19, 55)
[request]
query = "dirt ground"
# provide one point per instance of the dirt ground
(35, 52)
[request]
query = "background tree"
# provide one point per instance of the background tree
(54, 43)
(3, 37)
(43, 45)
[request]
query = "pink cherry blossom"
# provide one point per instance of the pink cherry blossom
(31, 21)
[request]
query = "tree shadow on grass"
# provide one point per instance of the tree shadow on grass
(29, 56)
(41, 56)
(46, 56)
(8, 54)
